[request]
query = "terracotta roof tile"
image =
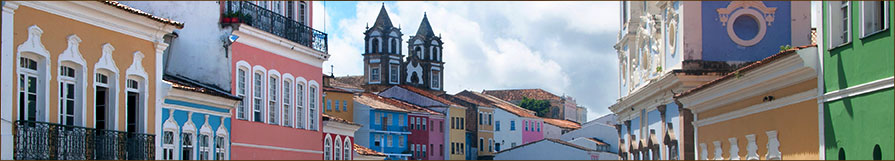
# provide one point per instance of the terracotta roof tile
(336, 119)
(367, 151)
(562, 123)
(507, 106)
(744, 69)
(518, 94)
(355, 82)
(377, 102)
(179, 25)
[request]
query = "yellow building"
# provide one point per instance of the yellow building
(766, 110)
(339, 103)
(86, 68)
(486, 132)
(457, 132)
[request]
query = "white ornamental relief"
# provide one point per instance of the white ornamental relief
(414, 69)
(773, 146)
(751, 148)
(734, 149)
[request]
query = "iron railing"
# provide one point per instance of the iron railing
(49, 141)
(277, 24)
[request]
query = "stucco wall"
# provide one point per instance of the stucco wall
(551, 131)
(201, 38)
(603, 132)
(56, 29)
(504, 135)
(343, 98)
(543, 150)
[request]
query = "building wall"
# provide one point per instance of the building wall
(793, 125)
(551, 131)
(486, 132)
(254, 140)
(362, 115)
(419, 136)
(342, 140)
(345, 108)
(534, 132)
(436, 138)
(544, 150)
(505, 138)
(456, 135)
(603, 132)
(187, 117)
(397, 129)
(56, 29)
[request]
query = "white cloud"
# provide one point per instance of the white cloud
(562, 47)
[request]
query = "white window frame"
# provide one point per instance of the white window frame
(273, 99)
(141, 105)
(884, 13)
(204, 146)
(337, 148)
(327, 148)
(241, 90)
(401, 141)
(224, 148)
(258, 96)
(168, 148)
(375, 73)
(346, 152)
(300, 108)
(312, 106)
(435, 78)
(393, 73)
(170, 126)
(111, 96)
(830, 22)
(189, 130)
(389, 139)
(287, 101)
(73, 81)
(33, 49)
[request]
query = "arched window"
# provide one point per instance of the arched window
(187, 137)
(241, 92)
(337, 149)
(300, 104)
(418, 52)
(376, 45)
(135, 101)
(841, 154)
(481, 144)
(221, 144)
(346, 152)
(287, 102)
(272, 105)
(257, 96)
(395, 46)
(169, 138)
(327, 148)
(877, 153)
(33, 77)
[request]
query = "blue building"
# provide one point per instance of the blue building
(195, 121)
(384, 125)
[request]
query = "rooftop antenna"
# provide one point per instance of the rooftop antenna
(332, 70)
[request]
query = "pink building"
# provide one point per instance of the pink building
(276, 65)
(531, 129)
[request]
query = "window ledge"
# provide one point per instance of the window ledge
(874, 33)
(840, 46)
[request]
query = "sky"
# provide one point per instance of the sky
(562, 47)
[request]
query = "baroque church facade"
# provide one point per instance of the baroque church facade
(386, 64)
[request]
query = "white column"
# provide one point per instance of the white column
(6, 74)
(161, 89)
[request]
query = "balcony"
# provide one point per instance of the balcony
(48, 141)
(258, 17)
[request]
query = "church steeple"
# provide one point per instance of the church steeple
(424, 62)
(425, 29)
(383, 21)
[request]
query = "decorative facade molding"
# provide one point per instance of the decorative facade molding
(773, 146)
(751, 148)
(734, 150)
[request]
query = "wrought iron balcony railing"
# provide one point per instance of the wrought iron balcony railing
(48, 141)
(253, 15)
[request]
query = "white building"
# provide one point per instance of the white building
(606, 133)
(553, 149)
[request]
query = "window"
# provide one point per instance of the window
(376, 45)
(512, 125)
(490, 145)
(389, 141)
(433, 148)
(347, 149)
(133, 106)
(337, 149)
(539, 127)
(345, 105)
(875, 16)
(258, 97)
(220, 148)
(287, 103)
(480, 118)
(840, 23)
(290, 10)
(453, 122)
(436, 79)
(338, 103)
(497, 126)
(441, 126)
(461, 123)
(67, 104)
(187, 146)
(203, 147)
(301, 12)
(241, 91)
(400, 140)
(525, 125)
(481, 144)
(400, 120)
(395, 46)
(299, 105)
(489, 119)
(374, 73)
(312, 108)
(424, 124)
(441, 146)
(378, 116)
(101, 102)
(378, 140)
(393, 73)
(329, 105)
(168, 145)
(327, 148)
(412, 123)
(424, 150)
(272, 106)
(28, 89)
(453, 148)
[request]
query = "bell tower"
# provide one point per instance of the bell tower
(424, 66)
(382, 51)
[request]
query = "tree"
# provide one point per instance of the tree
(541, 107)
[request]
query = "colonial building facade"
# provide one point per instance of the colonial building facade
(666, 48)
(385, 63)
(68, 75)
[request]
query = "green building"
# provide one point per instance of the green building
(858, 109)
